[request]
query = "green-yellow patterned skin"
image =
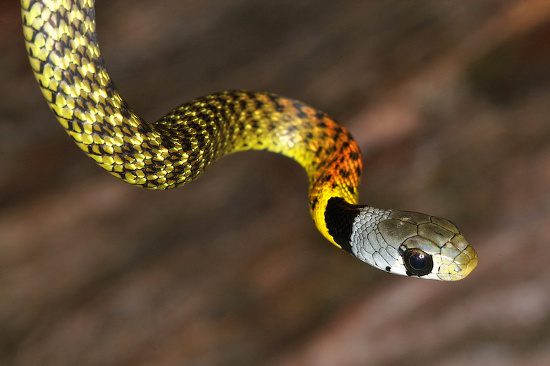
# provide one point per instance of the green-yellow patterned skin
(66, 60)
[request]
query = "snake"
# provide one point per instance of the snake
(62, 47)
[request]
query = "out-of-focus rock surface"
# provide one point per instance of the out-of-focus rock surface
(450, 102)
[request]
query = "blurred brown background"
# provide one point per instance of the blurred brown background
(450, 102)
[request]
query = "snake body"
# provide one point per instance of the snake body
(64, 54)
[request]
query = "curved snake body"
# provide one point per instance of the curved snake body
(65, 57)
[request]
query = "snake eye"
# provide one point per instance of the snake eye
(417, 262)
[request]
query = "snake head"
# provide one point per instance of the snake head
(412, 244)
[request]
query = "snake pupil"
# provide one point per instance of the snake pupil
(417, 262)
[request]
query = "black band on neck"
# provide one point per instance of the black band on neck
(339, 216)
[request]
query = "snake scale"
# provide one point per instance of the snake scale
(62, 46)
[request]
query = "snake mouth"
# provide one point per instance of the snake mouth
(460, 267)
(472, 264)
(466, 267)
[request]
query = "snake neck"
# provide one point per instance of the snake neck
(340, 217)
